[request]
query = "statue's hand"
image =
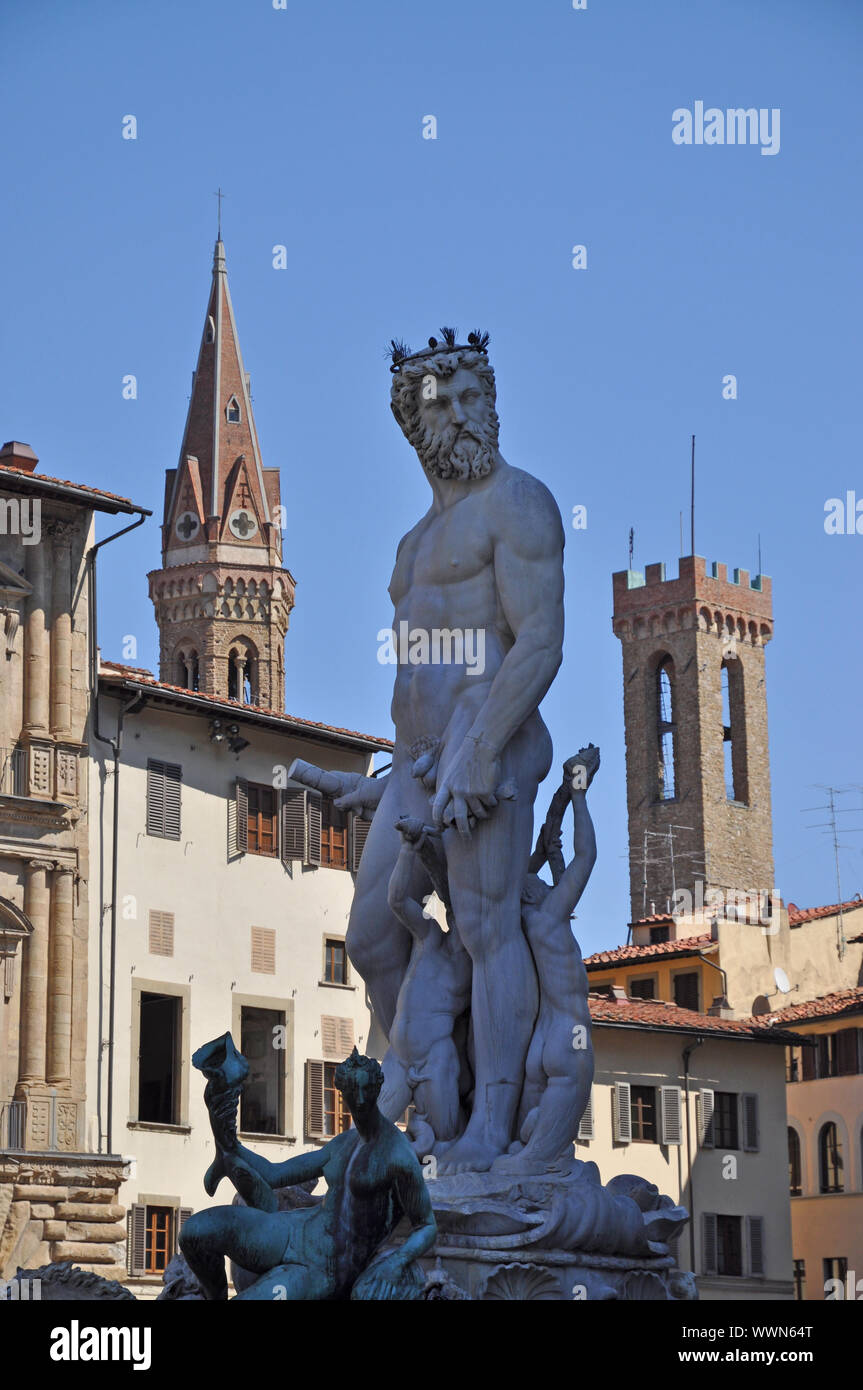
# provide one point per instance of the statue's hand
(223, 1120)
(467, 787)
(382, 1282)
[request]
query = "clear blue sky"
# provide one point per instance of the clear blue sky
(554, 128)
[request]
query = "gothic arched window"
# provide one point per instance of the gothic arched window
(232, 411)
(831, 1167)
(665, 731)
(734, 732)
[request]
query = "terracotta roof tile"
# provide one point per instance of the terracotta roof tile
(655, 1014)
(796, 914)
(65, 482)
(844, 1001)
(141, 676)
(684, 946)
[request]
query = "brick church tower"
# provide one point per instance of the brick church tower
(222, 597)
(695, 710)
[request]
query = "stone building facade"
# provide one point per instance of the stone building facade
(695, 710)
(46, 538)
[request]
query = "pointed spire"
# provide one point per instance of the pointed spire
(221, 535)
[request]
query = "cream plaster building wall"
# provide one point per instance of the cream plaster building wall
(760, 1189)
(217, 897)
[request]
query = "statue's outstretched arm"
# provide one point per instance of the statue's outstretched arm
(351, 790)
(302, 1168)
(562, 899)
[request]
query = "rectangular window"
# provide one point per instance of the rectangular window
(261, 1103)
(792, 1064)
(262, 835)
(159, 1237)
(159, 1060)
(729, 1244)
(337, 1117)
(686, 991)
(642, 1100)
(643, 988)
(603, 988)
(836, 1267)
(163, 799)
(334, 836)
(800, 1280)
(725, 1127)
(335, 962)
(826, 1055)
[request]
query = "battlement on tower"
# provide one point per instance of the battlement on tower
(700, 594)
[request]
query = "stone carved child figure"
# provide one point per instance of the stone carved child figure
(422, 1064)
(559, 1069)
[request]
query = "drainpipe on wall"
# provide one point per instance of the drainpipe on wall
(687, 1053)
(115, 747)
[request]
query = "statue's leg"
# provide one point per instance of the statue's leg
(570, 1074)
(396, 1093)
(256, 1240)
(486, 873)
(437, 1098)
(287, 1283)
(378, 945)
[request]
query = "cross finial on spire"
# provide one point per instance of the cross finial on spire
(220, 195)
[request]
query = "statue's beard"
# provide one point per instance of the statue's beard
(455, 452)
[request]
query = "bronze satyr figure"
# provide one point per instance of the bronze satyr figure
(328, 1251)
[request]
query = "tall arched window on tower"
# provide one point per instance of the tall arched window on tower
(665, 731)
(243, 673)
(734, 732)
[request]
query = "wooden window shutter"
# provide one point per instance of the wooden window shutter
(264, 950)
(749, 1119)
(136, 1238)
(755, 1244)
(708, 1242)
(329, 1034)
(337, 1036)
(313, 828)
(810, 1063)
(670, 1115)
(846, 1052)
(161, 933)
(315, 1100)
(359, 834)
(241, 816)
(585, 1124)
(622, 1114)
(173, 781)
(163, 798)
(293, 823)
(183, 1215)
(704, 1107)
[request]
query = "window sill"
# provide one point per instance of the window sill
(333, 984)
(158, 1128)
(256, 1138)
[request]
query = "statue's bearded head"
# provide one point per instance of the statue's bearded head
(445, 404)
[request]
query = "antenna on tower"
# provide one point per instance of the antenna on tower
(831, 828)
(692, 499)
(759, 553)
(631, 544)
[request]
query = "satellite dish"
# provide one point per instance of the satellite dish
(782, 982)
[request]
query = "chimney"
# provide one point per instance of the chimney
(16, 455)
